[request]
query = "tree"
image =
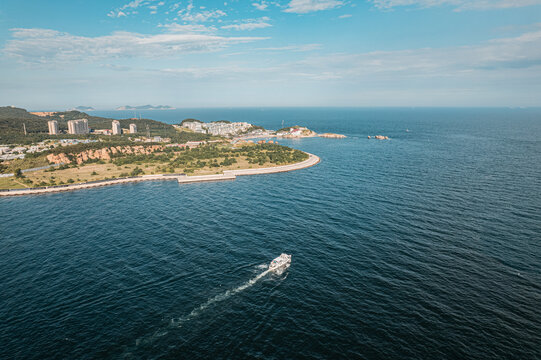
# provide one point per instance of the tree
(18, 173)
(136, 171)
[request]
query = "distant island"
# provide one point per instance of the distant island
(145, 107)
(82, 108)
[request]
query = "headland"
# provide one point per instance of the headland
(59, 151)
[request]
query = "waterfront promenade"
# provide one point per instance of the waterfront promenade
(226, 175)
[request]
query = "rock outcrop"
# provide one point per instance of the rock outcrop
(104, 154)
(332, 136)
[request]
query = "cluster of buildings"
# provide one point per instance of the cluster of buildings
(217, 128)
(80, 126)
(7, 153)
(18, 152)
(75, 127)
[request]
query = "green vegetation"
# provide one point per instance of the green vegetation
(215, 156)
(190, 120)
(137, 171)
(252, 128)
(289, 128)
(26, 163)
(208, 159)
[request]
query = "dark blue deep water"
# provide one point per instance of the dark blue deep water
(427, 246)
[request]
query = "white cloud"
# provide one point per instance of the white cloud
(459, 5)
(249, 24)
(261, 5)
(345, 16)
(306, 6)
(53, 47)
(501, 61)
(134, 4)
(117, 14)
(128, 8)
(202, 16)
(498, 56)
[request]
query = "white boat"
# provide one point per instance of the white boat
(280, 263)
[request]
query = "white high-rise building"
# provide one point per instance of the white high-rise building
(116, 128)
(78, 126)
(53, 127)
(133, 128)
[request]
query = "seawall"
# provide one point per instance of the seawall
(226, 175)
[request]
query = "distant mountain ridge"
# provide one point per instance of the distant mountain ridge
(146, 107)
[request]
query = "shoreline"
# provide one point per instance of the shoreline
(182, 179)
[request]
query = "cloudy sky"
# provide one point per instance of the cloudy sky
(59, 54)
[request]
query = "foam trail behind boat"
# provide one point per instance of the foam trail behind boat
(195, 312)
(221, 297)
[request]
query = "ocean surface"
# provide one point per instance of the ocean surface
(426, 246)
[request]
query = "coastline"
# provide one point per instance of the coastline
(226, 175)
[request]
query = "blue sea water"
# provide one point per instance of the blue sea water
(426, 246)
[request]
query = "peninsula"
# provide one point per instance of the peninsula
(87, 156)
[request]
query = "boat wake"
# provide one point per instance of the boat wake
(178, 323)
(221, 297)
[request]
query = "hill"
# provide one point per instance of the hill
(190, 120)
(12, 120)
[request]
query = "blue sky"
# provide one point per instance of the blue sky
(60, 54)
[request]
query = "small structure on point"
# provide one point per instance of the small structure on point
(133, 128)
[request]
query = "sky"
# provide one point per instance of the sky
(55, 54)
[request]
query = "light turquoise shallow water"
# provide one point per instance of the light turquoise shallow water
(424, 246)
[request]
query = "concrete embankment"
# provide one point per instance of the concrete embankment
(226, 175)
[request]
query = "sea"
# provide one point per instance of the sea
(423, 246)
